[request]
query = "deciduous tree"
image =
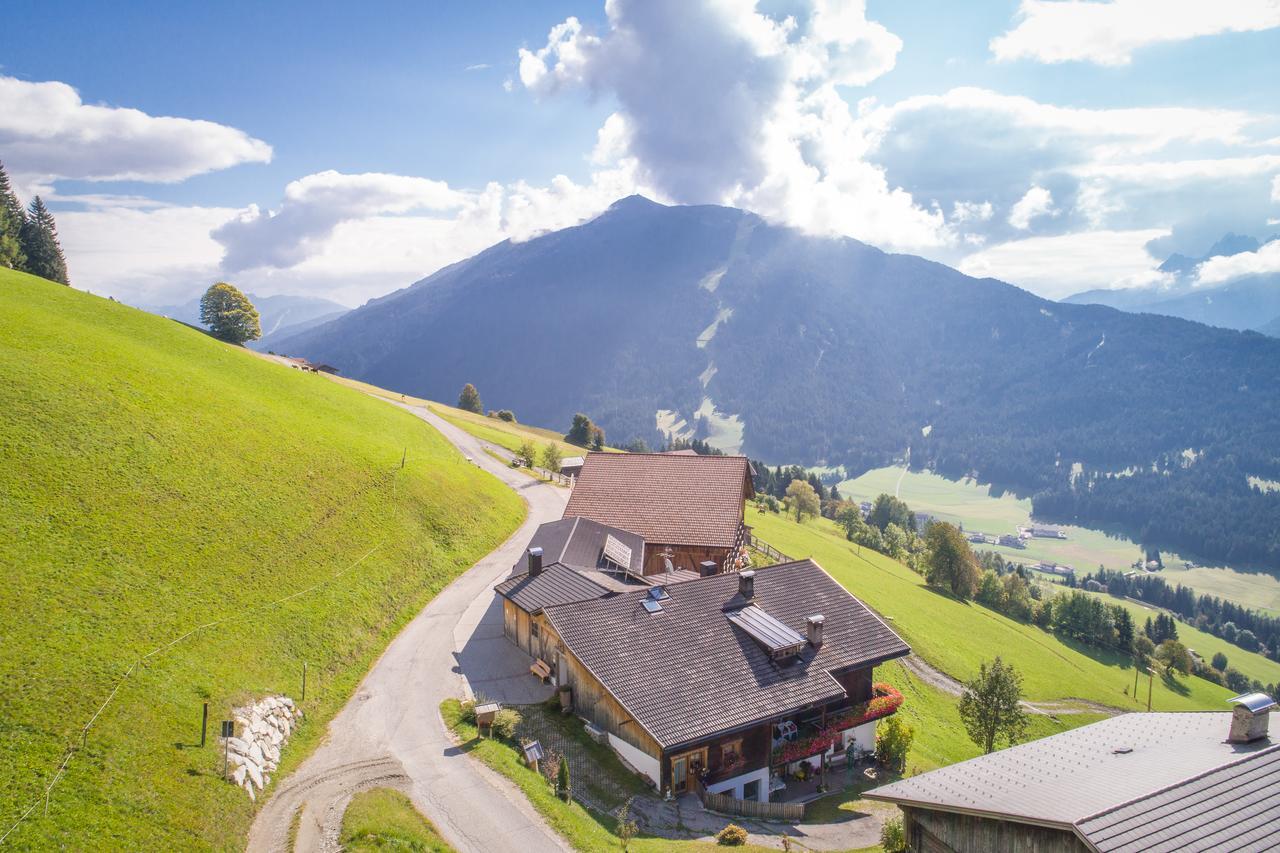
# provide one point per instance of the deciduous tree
(229, 314)
(989, 706)
(802, 500)
(469, 400)
(950, 562)
(551, 457)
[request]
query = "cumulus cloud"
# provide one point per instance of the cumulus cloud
(724, 104)
(48, 133)
(1108, 33)
(1224, 268)
(1037, 202)
(972, 211)
(1059, 266)
(1275, 189)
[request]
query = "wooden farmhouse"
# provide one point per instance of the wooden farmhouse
(687, 508)
(725, 684)
(1157, 783)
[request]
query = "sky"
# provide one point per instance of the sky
(300, 148)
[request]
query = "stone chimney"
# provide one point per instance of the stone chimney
(747, 584)
(707, 568)
(814, 623)
(535, 562)
(1249, 717)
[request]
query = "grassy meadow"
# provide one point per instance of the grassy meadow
(153, 481)
(384, 819)
(971, 504)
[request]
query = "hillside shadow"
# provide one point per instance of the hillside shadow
(1173, 684)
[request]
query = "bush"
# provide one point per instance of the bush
(892, 837)
(505, 723)
(732, 836)
(893, 741)
(563, 788)
(504, 415)
(467, 711)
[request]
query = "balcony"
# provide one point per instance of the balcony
(809, 740)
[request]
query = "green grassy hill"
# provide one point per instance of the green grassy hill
(154, 480)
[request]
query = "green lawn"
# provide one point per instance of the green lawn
(153, 480)
(973, 505)
(384, 819)
(955, 636)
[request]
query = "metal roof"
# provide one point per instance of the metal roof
(769, 632)
(1067, 778)
(1255, 702)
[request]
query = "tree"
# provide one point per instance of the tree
(528, 453)
(469, 400)
(1143, 649)
(1220, 662)
(950, 562)
(1247, 640)
(1174, 656)
(1124, 627)
(583, 431)
(40, 244)
(11, 221)
(563, 791)
(890, 510)
(990, 706)
(551, 457)
(229, 314)
(627, 828)
(597, 438)
(893, 838)
(893, 742)
(802, 500)
(990, 591)
(850, 518)
(504, 415)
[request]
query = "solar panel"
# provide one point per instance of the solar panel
(658, 593)
(652, 606)
(617, 553)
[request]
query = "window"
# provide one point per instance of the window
(731, 754)
(751, 790)
(535, 629)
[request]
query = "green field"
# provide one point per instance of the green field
(153, 481)
(384, 819)
(972, 505)
(956, 636)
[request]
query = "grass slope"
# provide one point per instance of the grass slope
(385, 819)
(955, 636)
(153, 480)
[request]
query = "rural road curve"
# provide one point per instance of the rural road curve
(390, 733)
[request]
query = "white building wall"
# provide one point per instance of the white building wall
(864, 736)
(733, 786)
(638, 759)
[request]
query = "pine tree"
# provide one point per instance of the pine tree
(469, 400)
(40, 244)
(11, 221)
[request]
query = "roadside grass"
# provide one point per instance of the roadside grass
(507, 435)
(385, 819)
(582, 828)
(971, 504)
(153, 480)
(955, 637)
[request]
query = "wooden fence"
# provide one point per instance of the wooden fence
(755, 543)
(725, 804)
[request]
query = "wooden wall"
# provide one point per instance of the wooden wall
(757, 744)
(685, 557)
(943, 832)
(857, 683)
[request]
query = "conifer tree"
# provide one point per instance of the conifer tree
(40, 244)
(11, 221)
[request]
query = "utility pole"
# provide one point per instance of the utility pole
(1136, 668)
(1150, 681)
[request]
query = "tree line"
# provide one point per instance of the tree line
(29, 238)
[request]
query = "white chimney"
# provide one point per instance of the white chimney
(814, 624)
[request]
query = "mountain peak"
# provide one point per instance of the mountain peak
(1233, 244)
(635, 201)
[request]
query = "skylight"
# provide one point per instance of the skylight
(658, 593)
(652, 606)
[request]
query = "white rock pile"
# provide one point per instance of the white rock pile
(264, 729)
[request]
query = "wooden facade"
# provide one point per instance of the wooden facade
(931, 831)
(683, 557)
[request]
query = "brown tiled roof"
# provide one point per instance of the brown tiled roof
(666, 498)
(686, 672)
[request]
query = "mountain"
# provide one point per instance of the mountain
(154, 480)
(801, 349)
(1242, 304)
(1272, 328)
(279, 315)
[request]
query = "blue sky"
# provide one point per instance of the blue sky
(1059, 147)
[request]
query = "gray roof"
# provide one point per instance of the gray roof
(687, 672)
(1236, 807)
(579, 543)
(1073, 778)
(553, 585)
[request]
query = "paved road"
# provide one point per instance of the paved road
(390, 733)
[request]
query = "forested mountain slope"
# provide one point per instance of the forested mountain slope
(817, 350)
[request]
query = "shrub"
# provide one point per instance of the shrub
(893, 742)
(504, 415)
(467, 711)
(732, 836)
(892, 837)
(505, 723)
(563, 788)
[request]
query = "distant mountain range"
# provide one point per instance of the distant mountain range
(708, 322)
(1247, 303)
(280, 316)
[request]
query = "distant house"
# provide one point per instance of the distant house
(1042, 532)
(571, 466)
(865, 507)
(687, 508)
(1055, 569)
(325, 368)
(1136, 782)
(728, 681)
(1011, 540)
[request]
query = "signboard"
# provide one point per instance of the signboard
(228, 728)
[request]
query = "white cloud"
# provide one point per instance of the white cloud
(1275, 189)
(1055, 267)
(733, 106)
(1225, 268)
(479, 66)
(1107, 33)
(972, 211)
(47, 133)
(1038, 201)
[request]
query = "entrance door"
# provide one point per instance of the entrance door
(685, 767)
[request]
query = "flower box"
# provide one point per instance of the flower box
(885, 699)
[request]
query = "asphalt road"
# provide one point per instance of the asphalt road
(390, 733)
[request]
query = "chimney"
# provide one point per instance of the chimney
(814, 624)
(747, 584)
(535, 562)
(707, 568)
(1249, 717)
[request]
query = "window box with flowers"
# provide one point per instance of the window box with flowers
(885, 699)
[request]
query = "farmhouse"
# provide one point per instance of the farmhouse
(1150, 782)
(728, 683)
(571, 466)
(1042, 532)
(687, 508)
